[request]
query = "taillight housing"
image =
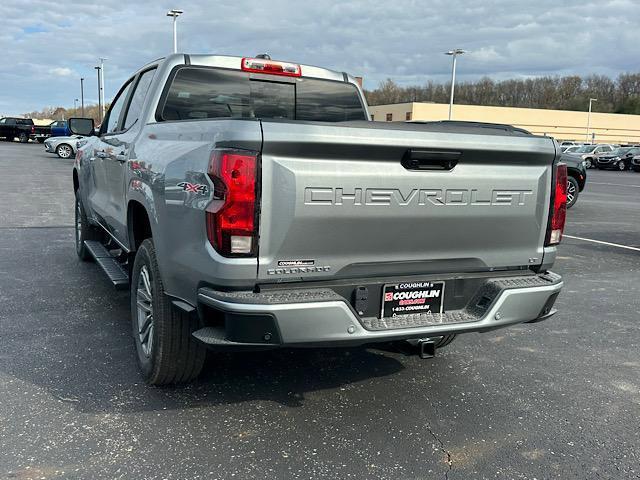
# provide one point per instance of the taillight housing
(558, 213)
(272, 67)
(232, 215)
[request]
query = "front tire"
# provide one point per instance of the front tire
(83, 231)
(621, 165)
(167, 353)
(588, 163)
(573, 190)
(64, 151)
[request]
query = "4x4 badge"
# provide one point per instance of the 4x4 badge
(193, 187)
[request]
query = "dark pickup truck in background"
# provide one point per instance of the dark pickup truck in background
(21, 128)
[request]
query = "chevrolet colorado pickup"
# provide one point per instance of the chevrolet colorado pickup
(251, 204)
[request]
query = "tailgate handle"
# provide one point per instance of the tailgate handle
(430, 160)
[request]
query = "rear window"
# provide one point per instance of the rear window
(201, 93)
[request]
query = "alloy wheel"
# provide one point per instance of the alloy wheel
(571, 192)
(78, 223)
(64, 151)
(144, 300)
(621, 165)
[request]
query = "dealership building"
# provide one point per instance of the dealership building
(561, 124)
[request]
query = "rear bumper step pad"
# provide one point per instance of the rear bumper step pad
(320, 316)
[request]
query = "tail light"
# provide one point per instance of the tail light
(232, 226)
(558, 212)
(261, 65)
(33, 129)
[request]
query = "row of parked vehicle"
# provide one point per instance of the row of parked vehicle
(605, 156)
(24, 129)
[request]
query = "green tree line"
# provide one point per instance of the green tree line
(620, 95)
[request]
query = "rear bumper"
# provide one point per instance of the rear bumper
(306, 317)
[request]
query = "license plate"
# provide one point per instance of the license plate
(412, 298)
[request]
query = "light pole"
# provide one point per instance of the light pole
(102, 87)
(75, 104)
(454, 53)
(591, 100)
(99, 90)
(175, 14)
(82, 94)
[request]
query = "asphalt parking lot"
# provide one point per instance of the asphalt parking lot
(559, 399)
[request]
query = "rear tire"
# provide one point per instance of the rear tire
(23, 138)
(446, 340)
(41, 140)
(84, 231)
(167, 353)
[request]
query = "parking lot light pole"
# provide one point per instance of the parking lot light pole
(102, 87)
(75, 104)
(591, 100)
(82, 95)
(453, 53)
(175, 14)
(99, 90)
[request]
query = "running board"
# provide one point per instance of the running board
(109, 264)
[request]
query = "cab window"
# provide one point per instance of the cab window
(111, 123)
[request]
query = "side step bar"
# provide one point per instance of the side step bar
(109, 264)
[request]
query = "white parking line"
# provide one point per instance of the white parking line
(626, 247)
(615, 184)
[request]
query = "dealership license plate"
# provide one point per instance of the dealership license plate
(412, 298)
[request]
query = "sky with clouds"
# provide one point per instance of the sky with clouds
(49, 45)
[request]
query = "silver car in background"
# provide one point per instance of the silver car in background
(64, 147)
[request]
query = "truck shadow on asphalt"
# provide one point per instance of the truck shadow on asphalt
(66, 331)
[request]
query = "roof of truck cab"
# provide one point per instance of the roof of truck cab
(234, 62)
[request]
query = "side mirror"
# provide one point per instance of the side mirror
(81, 126)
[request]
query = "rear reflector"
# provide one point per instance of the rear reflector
(232, 227)
(558, 212)
(261, 65)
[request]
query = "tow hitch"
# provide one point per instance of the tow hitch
(423, 347)
(426, 348)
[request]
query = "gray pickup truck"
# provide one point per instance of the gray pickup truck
(251, 204)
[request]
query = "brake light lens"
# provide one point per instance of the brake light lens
(559, 207)
(260, 65)
(232, 226)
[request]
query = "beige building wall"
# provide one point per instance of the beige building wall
(561, 124)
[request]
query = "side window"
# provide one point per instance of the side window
(137, 99)
(114, 112)
(11, 121)
(2, 122)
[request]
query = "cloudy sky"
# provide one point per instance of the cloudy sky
(49, 45)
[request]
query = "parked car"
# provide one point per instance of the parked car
(589, 153)
(570, 148)
(57, 128)
(618, 159)
(635, 163)
(252, 204)
(64, 147)
(576, 177)
(60, 128)
(567, 143)
(14, 127)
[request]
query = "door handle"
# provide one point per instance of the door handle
(101, 154)
(430, 159)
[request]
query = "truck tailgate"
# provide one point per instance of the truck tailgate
(363, 200)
